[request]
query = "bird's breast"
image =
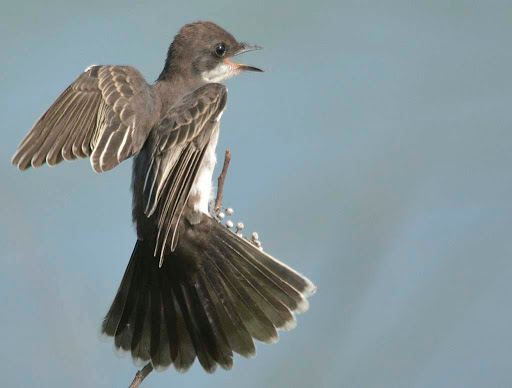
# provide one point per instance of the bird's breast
(202, 189)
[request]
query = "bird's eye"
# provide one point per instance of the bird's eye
(220, 50)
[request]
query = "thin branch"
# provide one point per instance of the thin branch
(141, 375)
(220, 186)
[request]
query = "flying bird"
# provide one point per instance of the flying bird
(192, 288)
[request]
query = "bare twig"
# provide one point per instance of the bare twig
(141, 375)
(220, 186)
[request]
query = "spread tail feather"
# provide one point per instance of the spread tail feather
(212, 296)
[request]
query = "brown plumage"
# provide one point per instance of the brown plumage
(212, 296)
(192, 288)
(107, 114)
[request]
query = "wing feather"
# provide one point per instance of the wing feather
(55, 153)
(106, 106)
(176, 148)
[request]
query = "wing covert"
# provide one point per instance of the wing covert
(176, 150)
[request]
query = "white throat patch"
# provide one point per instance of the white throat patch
(222, 72)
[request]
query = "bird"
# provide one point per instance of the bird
(192, 287)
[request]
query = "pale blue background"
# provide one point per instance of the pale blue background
(373, 155)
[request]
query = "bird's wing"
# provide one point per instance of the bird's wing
(106, 114)
(175, 149)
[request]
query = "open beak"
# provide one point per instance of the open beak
(243, 48)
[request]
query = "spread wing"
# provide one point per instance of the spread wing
(176, 149)
(106, 114)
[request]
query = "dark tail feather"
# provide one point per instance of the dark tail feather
(212, 296)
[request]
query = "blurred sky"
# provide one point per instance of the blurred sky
(373, 155)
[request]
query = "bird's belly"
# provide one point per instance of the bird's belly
(202, 189)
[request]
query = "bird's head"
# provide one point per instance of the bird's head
(204, 50)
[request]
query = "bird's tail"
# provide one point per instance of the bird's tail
(213, 295)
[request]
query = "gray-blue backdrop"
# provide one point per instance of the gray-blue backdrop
(373, 155)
